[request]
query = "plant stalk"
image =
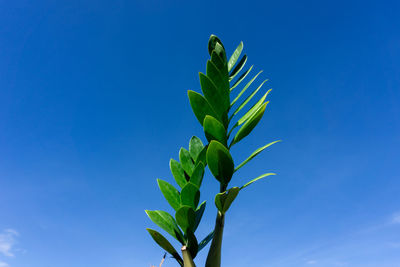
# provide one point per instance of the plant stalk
(214, 254)
(187, 258)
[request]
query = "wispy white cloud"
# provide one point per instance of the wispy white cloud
(4, 264)
(396, 218)
(7, 242)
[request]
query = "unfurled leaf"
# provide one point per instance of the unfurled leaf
(248, 98)
(167, 222)
(186, 161)
(199, 214)
(195, 147)
(249, 125)
(253, 109)
(197, 175)
(235, 56)
(244, 89)
(214, 97)
(190, 195)
(200, 106)
(241, 78)
(214, 130)
(255, 153)
(165, 244)
(206, 240)
(224, 200)
(177, 172)
(170, 193)
(220, 162)
(256, 179)
(186, 218)
(238, 68)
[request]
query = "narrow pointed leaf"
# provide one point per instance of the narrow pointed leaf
(199, 214)
(249, 125)
(253, 109)
(241, 78)
(165, 244)
(220, 162)
(249, 98)
(192, 243)
(177, 172)
(190, 195)
(220, 200)
(214, 130)
(220, 50)
(238, 68)
(221, 82)
(212, 42)
(214, 97)
(170, 193)
(256, 179)
(230, 197)
(186, 218)
(255, 153)
(244, 89)
(167, 222)
(235, 56)
(219, 63)
(200, 106)
(202, 156)
(197, 175)
(195, 147)
(206, 240)
(186, 161)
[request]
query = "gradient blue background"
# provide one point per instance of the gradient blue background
(93, 105)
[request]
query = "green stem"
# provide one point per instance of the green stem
(187, 258)
(214, 254)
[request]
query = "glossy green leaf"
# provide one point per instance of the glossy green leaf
(192, 244)
(186, 161)
(244, 89)
(195, 147)
(219, 63)
(190, 195)
(177, 172)
(235, 56)
(212, 43)
(167, 222)
(197, 175)
(221, 82)
(206, 240)
(249, 125)
(220, 162)
(255, 153)
(186, 218)
(170, 193)
(241, 78)
(253, 109)
(238, 68)
(214, 130)
(256, 179)
(220, 50)
(224, 200)
(165, 244)
(199, 215)
(248, 98)
(202, 156)
(200, 106)
(213, 96)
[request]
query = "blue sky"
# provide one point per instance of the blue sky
(93, 105)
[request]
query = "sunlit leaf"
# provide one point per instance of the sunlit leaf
(241, 78)
(248, 98)
(170, 193)
(256, 179)
(200, 106)
(167, 222)
(214, 97)
(255, 153)
(220, 162)
(190, 195)
(235, 56)
(197, 175)
(244, 89)
(214, 130)
(186, 218)
(186, 161)
(165, 244)
(249, 125)
(195, 147)
(177, 172)
(238, 68)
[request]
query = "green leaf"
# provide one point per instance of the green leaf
(212, 43)
(170, 193)
(186, 161)
(214, 130)
(206, 240)
(220, 162)
(220, 50)
(177, 172)
(219, 63)
(200, 106)
(244, 89)
(224, 200)
(192, 244)
(238, 68)
(197, 175)
(253, 109)
(249, 125)
(249, 98)
(213, 96)
(165, 244)
(256, 179)
(221, 81)
(255, 153)
(166, 222)
(195, 147)
(235, 56)
(186, 218)
(199, 215)
(202, 156)
(190, 195)
(241, 78)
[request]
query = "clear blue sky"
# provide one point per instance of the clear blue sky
(93, 105)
